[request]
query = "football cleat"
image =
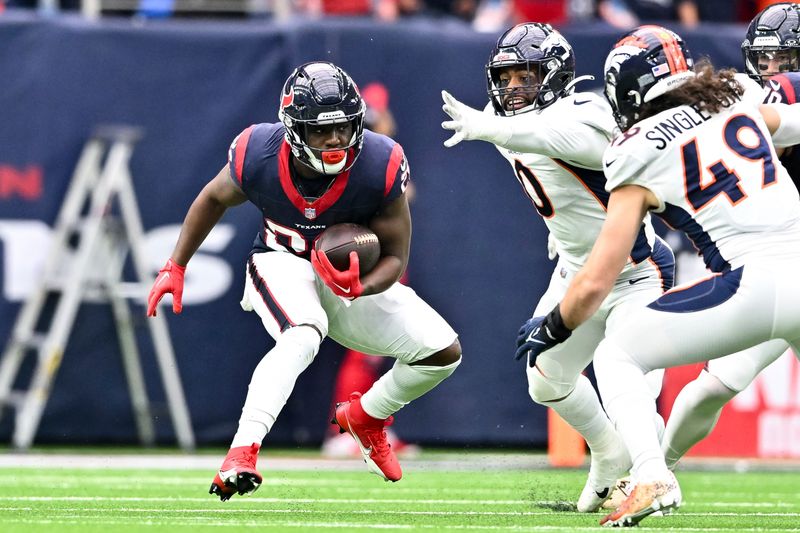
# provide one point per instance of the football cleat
(622, 489)
(603, 475)
(370, 435)
(343, 446)
(238, 473)
(661, 496)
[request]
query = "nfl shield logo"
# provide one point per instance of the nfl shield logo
(311, 213)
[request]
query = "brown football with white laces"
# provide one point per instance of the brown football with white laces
(339, 240)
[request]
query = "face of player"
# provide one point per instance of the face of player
(329, 136)
(521, 86)
(776, 62)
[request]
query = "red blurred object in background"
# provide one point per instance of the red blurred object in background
(761, 421)
(550, 11)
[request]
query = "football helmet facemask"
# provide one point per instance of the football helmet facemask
(319, 94)
(772, 43)
(548, 59)
(646, 63)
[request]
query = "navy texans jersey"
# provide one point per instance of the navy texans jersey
(260, 161)
(785, 89)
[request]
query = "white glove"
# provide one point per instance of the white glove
(471, 124)
(552, 250)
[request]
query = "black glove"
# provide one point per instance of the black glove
(541, 333)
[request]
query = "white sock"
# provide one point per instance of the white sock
(400, 385)
(694, 415)
(273, 381)
(581, 409)
(631, 407)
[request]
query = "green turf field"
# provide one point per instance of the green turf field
(34, 500)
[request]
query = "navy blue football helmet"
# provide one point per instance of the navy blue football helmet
(643, 65)
(773, 37)
(546, 55)
(317, 94)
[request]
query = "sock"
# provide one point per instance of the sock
(631, 407)
(273, 381)
(694, 415)
(400, 385)
(581, 409)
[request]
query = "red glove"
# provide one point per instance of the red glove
(169, 280)
(347, 283)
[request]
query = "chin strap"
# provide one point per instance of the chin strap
(571, 85)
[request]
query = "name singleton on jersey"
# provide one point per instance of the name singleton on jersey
(680, 121)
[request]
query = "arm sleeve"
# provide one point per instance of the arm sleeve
(579, 133)
(788, 132)
(622, 167)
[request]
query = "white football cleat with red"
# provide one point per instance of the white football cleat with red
(645, 499)
(622, 489)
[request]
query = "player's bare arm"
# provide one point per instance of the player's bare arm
(393, 228)
(216, 197)
(627, 207)
(204, 213)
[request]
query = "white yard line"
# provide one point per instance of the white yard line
(472, 461)
(305, 525)
(220, 510)
(468, 461)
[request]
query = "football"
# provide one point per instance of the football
(340, 239)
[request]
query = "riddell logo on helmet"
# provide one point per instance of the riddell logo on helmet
(506, 56)
(766, 40)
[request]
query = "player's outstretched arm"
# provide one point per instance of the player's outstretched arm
(581, 137)
(470, 124)
(204, 213)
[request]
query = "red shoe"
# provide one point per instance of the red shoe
(238, 473)
(370, 437)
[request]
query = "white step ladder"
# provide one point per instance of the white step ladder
(87, 255)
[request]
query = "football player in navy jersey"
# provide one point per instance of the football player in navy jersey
(316, 168)
(771, 56)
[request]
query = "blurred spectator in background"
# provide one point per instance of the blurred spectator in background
(689, 13)
(32, 4)
(550, 11)
(358, 371)
(156, 8)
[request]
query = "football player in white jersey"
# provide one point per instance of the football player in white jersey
(769, 48)
(691, 150)
(554, 139)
